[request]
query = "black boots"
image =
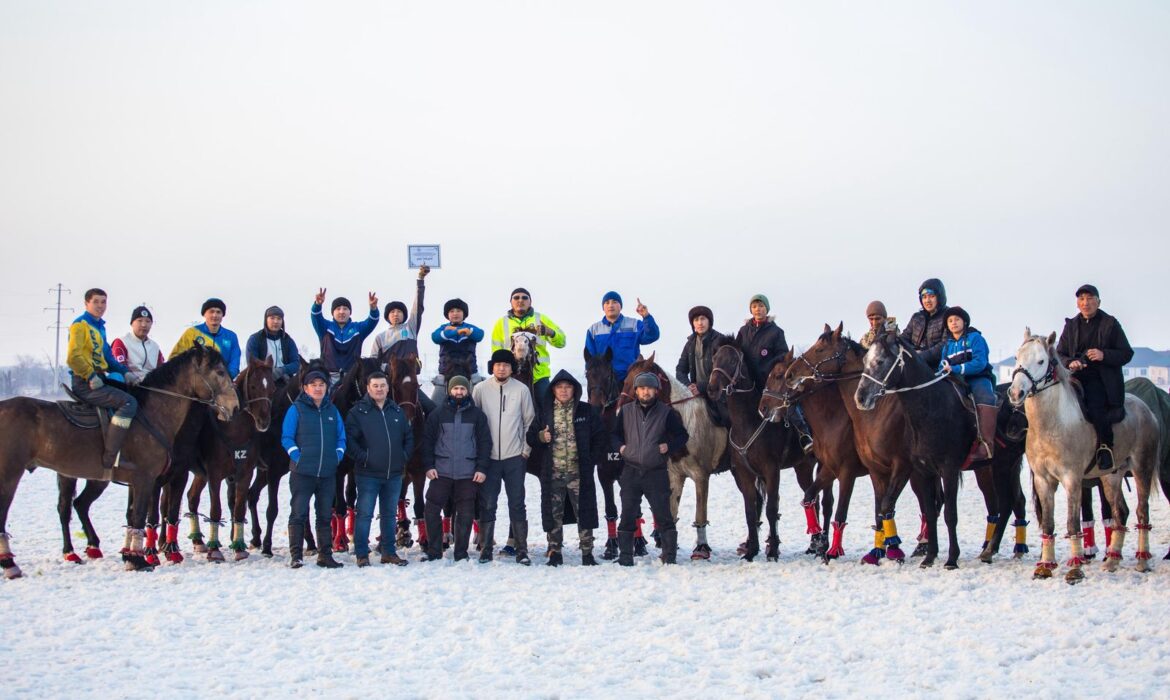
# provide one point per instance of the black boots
(669, 546)
(296, 540)
(487, 540)
(325, 558)
(983, 449)
(115, 437)
(555, 558)
(520, 532)
(462, 526)
(625, 548)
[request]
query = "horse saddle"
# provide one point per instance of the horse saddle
(83, 415)
(964, 392)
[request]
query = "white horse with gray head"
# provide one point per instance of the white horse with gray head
(1061, 445)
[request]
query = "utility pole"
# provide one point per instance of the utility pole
(56, 328)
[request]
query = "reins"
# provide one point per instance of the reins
(900, 363)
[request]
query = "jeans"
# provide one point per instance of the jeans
(304, 487)
(511, 472)
(386, 493)
(983, 390)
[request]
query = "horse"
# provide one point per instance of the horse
(402, 365)
(38, 433)
(848, 442)
(273, 464)
(699, 459)
(760, 448)
(230, 453)
(1061, 447)
(939, 428)
(523, 346)
(603, 391)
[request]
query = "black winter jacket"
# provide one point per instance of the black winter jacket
(380, 442)
(688, 370)
(924, 330)
(763, 346)
(1104, 333)
(457, 442)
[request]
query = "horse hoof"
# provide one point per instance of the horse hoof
(152, 559)
(701, 552)
(198, 548)
(748, 556)
(773, 557)
(310, 552)
(241, 554)
(93, 553)
(1074, 576)
(1110, 565)
(986, 557)
(1018, 555)
(1042, 571)
(136, 562)
(927, 563)
(11, 570)
(1143, 566)
(214, 555)
(73, 558)
(255, 544)
(267, 554)
(950, 566)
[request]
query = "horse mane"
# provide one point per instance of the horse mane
(167, 374)
(850, 344)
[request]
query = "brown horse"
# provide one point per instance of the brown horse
(823, 379)
(760, 449)
(37, 433)
(402, 366)
(230, 453)
(604, 390)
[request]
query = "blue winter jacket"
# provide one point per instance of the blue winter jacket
(624, 336)
(341, 346)
(454, 347)
(229, 347)
(313, 436)
(978, 365)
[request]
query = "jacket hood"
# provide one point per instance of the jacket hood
(564, 376)
(937, 285)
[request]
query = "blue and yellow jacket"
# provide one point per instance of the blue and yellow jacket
(224, 341)
(88, 352)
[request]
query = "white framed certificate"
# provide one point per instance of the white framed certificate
(419, 255)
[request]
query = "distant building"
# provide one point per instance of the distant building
(1150, 364)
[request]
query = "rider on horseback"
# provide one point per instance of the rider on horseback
(212, 334)
(1094, 347)
(763, 345)
(136, 350)
(694, 365)
(456, 340)
(621, 334)
(272, 341)
(403, 325)
(879, 322)
(927, 327)
(964, 353)
(341, 337)
(90, 358)
(522, 317)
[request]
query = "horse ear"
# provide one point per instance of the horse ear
(790, 356)
(1052, 338)
(828, 329)
(651, 358)
(1027, 333)
(837, 331)
(268, 361)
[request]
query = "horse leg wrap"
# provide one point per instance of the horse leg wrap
(151, 538)
(213, 539)
(401, 509)
(238, 545)
(1108, 525)
(1076, 553)
(337, 525)
(992, 521)
(5, 551)
(611, 528)
(836, 550)
(922, 532)
(1047, 552)
(810, 517)
(1021, 537)
(447, 530)
(422, 531)
(172, 545)
(195, 535)
(1143, 543)
(126, 542)
(876, 554)
(7, 564)
(638, 529)
(1113, 555)
(350, 515)
(1089, 536)
(891, 540)
(700, 535)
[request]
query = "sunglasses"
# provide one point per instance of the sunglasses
(519, 297)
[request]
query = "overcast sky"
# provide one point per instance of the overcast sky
(824, 154)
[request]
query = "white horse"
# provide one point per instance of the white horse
(1061, 443)
(705, 445)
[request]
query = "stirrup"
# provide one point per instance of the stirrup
(1106, 449)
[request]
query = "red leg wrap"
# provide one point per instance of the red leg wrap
(611, 527)
(837, 549)
(402, 509)
(447, 526)
(350, 516)
(151, 538)
(810, 517)
(638, 529)
(1090, 537)
(922, 537)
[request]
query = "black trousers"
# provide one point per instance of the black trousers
(1101, 414)
(439, 493)
(654, 484)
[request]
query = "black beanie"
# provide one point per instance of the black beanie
(140, 312)
(455, 304)
(521, 290)
(213, 303)
(396, 305)
(340, 301)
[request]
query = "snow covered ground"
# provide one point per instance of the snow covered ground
(788, 629)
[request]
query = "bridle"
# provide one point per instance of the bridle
(733, 378)
(1046, 381)
(222, 410)
(900, 363)
(416, 409)
(243, 392)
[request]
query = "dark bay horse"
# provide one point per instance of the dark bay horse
(604, 390)
(760, 449)
(939, 429)
(230, 453)
(38, 434)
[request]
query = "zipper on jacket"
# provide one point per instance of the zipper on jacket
(500, 426)
(389, 446)
(321, 452)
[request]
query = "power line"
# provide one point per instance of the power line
(56, 328)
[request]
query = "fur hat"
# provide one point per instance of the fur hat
(697, 311)
(455, 303)
(958, 311)
(396, 305)
(214, 303)
(876, 308)
(502, 355)
(647, 379)
(339, 302)
(458, 380)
